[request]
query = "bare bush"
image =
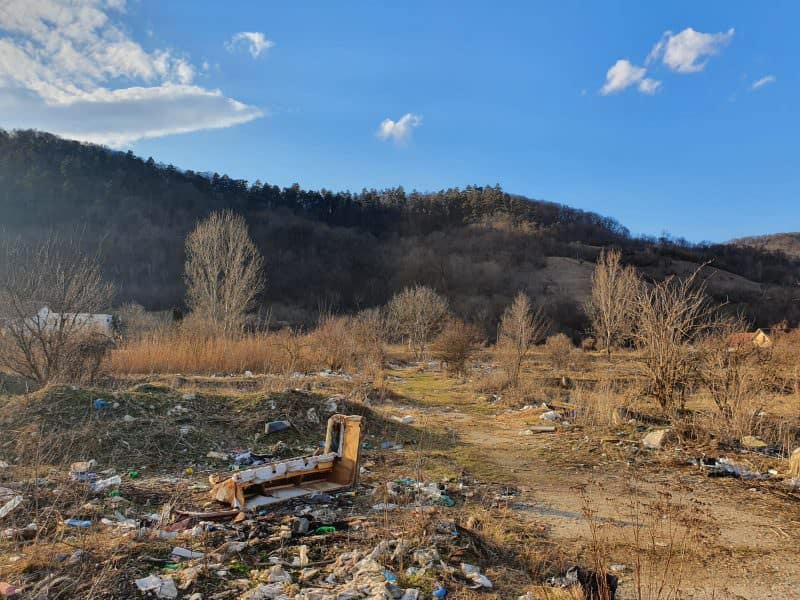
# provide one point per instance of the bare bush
(521, 327)
(335, 342)
(672, 316)
(457, 343)
(416, 315)
(560, 352)
(135, 322)
(611, 305)
(224, 272)
(48, 293)
(731, 375)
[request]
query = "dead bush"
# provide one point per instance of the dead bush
(334, 343)
(672, 315)
(416, 315)
(457, 343)
(561, 353)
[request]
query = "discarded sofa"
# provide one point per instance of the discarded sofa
(335, 468)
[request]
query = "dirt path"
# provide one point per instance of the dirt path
(748, 535)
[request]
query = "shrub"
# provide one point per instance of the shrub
(457, 343)
(559, 351)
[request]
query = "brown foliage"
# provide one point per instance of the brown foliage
(457, 343)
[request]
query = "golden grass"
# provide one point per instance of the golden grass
(176, 353)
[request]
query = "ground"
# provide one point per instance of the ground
(527, 506)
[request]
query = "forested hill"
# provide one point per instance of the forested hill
(339, 250)
(787, 243)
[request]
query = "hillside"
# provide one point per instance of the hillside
(347, 250)
(786, 243)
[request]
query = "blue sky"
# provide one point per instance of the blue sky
(510, 94)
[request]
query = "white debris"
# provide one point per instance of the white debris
(474, 574)
(163, 586)
(10, 505)
(186, 553)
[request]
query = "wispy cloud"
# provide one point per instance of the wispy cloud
(689, 50)
(624, 74)
(255, 42)
(400, 130)
(68, 68)
(766, 80)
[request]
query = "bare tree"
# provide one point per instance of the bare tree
(672, 316)
(224, 272)
(49, 293)
(417, 314)
(520, 328)
(613, 292)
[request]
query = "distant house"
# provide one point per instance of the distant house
(744, 340)
(47, 320)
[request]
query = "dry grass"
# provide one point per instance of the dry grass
(598, 407)
(185, 353)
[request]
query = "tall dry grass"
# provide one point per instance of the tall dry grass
(181, 352)
(339, 343)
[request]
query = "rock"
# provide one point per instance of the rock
(752, 442)
(656, 439)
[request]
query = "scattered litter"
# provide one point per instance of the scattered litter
(10, 505)
(276, 426)
(179, 552)
(7, 590)
(248, 374)
(163, 586)
(100, 404)
(387, 445)
(407, 420)
(439, 591)
(538, 429)
(99, 486)
(189, 397)
(78, 523)
(4, 464)
(550, 415)
(723, 467)
(473, 573)
(332, 403)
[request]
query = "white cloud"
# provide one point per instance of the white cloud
(624, 74)
(66, 67)
(649, 86)
(763, 81)
(400, 130)
(254, 41)
(688, 51)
